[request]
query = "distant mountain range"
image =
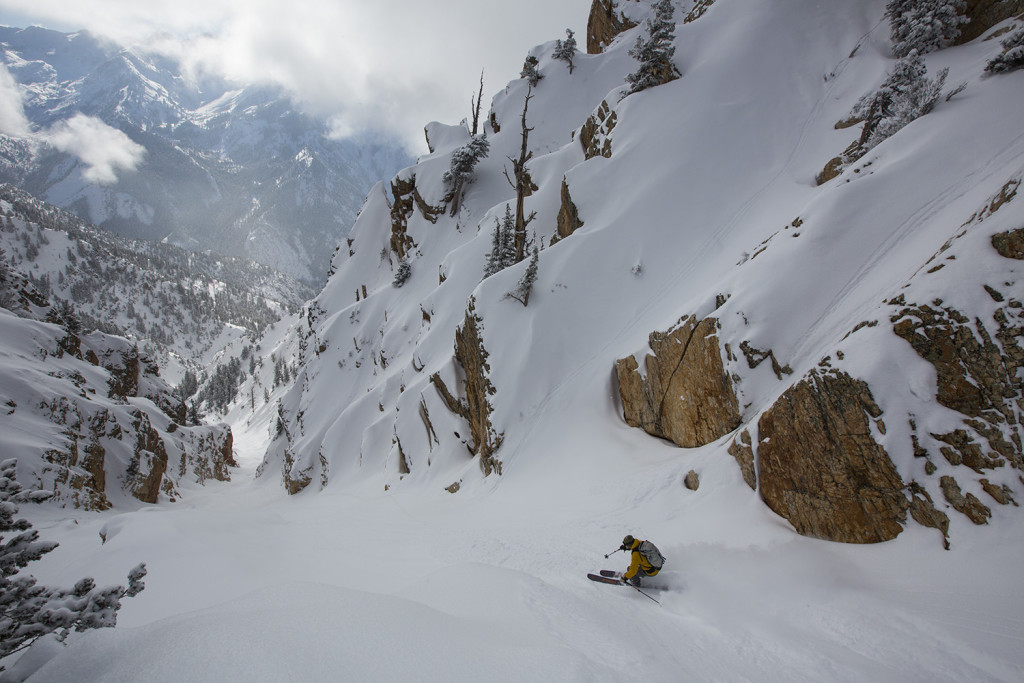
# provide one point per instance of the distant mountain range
(237, 170)
(180, 308)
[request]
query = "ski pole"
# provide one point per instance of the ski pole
(613, 552)
(643, 594)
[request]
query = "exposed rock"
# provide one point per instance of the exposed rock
(692, 480)
(984, 14)
(149, 461)
(476, 407)
(605, 22)
(743, 451)
(1001, 494)
(1010, 244)
(756, 356)
(453, 487)
(686, 396)
(401, 209)
(969, 505)
(595, 135)
(699, 8)
(978, 376)
(568, 217)
(295, 480)
(820, 467)
(962, 450)
(922, 509)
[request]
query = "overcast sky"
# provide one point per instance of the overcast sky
(371, 64)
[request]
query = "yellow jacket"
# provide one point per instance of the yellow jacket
(639, 563)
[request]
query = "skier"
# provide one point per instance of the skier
(646, 560)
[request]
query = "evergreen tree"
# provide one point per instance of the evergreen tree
(1012, 56)
(530, 72)
(522, 291)
(566, 50)
(503, 250)
(463, 163)
(924, 25)
(655, 53)
(29, 611)
(5, 280)
(403, 274)
(906, 94)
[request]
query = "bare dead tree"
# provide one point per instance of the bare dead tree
(475, 105)
(523, 184)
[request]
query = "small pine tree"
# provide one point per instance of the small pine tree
(924, 25)
(566, 50)
(1012, 56)
(403, 274)
(522, 291)
(503, 249)
(530, 72)
(655, 53)
(906, 94)
(29, 611)
(464, 160)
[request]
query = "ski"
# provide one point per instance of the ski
(609, 577)
(611, 574)
(605, 579)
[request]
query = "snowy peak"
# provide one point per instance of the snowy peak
(205, 154)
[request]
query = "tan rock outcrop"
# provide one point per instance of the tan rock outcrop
(568, 220)
(1010, 243)
(820, 466)
(686, 396)
(472, 356)
(743, 451)
(969, 504)
(605, 22)
(476, 407)
(977, 370)
(984, 14)
(595, 134)
(923, 510)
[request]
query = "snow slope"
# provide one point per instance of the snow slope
(375, 573)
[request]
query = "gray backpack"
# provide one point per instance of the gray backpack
(651, 554)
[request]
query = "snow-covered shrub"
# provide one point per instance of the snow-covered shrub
(655, 53)
(1012, 56)
(28, 610)
(530, 72)
(464, 160)
(906, 94)
(924, 25)
(403, 274)
(566, 51)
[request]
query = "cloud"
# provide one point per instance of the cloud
(12, 112)
(104, 150)
(385, 66)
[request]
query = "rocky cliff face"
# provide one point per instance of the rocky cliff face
(606, 21)
(821, 467)
(984, 14)
(684, 395)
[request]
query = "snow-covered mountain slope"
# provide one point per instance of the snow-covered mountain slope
(701, 220)
(236, 170)
(90, 420)
(181, 308)
(449, 501)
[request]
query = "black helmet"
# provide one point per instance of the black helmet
(628, 541)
